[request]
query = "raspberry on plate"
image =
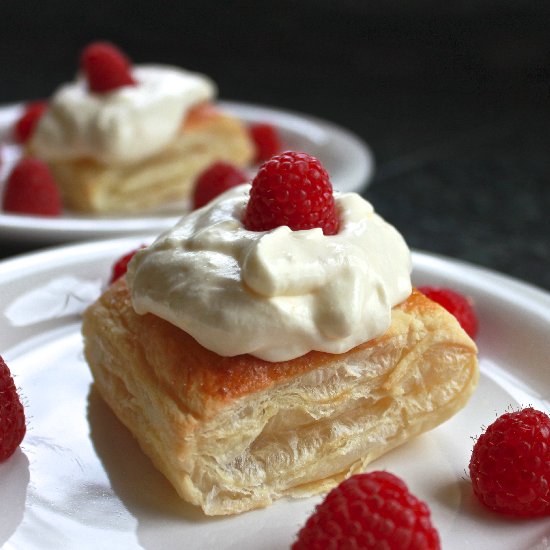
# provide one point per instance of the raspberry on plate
(266, 139)
(106, 68)
(121, 265)
(371, 510)
(12, 414)
(27, 122)
(510, 464)
(291, 189)
(31, 189)
(216, 179)
(459, 305)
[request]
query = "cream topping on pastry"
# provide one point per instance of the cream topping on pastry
(122, 126)
(274, 294)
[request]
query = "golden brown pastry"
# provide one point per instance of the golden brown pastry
(235, 433)
(207, 135)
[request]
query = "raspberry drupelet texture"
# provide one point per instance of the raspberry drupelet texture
(31, 189)
(291, 189)
(106, 68)
(12, 414)
(24, 127)
(266, 140)
(457, 304)
(510, 464)
(216, 179)
(372, 510)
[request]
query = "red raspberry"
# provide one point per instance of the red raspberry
(266, 139)
(31, 189)
(106, 67)
(291, 189)
(216, 179)
(121, 265)
(457, 304)
(373, 510)
(12, 414)
(510, 464)
(26, 124)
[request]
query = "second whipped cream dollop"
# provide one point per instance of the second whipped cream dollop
(124, 125)
(274, 294)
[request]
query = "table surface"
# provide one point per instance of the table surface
(452, 101)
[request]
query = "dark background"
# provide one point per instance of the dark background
(453, 100)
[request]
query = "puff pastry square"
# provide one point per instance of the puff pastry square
(207, 135)
(235, 433)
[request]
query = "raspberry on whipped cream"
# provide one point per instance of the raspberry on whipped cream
(206, 349)
(125, 125)
(275, 294)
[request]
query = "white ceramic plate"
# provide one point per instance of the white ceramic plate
(346, 157)
(80, 481)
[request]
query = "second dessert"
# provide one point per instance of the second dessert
(124, 138)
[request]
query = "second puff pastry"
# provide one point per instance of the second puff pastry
(206, 136)
(236, 433)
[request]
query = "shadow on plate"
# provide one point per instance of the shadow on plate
(14, 480)
(145, 492)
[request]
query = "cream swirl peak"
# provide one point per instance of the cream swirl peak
(124, 125)
(274, 294)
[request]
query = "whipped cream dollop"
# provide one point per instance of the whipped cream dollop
(274, 294)
(122, 126)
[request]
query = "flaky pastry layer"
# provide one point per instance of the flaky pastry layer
(235, 433)
(207, 135)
